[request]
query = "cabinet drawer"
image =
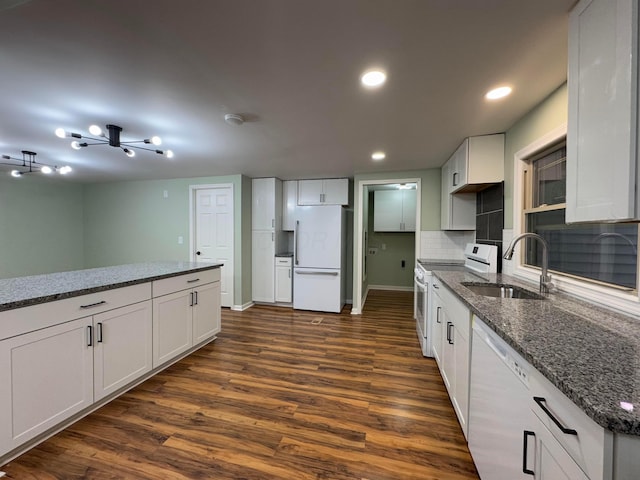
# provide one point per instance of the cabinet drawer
(27, 319)
(283, 261)
(182, 282)
(588, 446)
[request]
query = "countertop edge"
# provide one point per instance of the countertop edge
(614, 424)
(101, 288)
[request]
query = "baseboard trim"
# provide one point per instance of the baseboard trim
(390, 287)
(243, 307)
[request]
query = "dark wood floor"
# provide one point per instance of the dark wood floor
(281, 394)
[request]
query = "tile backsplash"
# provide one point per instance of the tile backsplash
(444, 245)
(490, 217)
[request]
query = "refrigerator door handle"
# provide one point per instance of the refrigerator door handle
(304, 272)
(295, 241)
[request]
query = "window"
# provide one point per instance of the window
(604, 253)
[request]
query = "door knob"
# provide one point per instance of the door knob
(198, 252)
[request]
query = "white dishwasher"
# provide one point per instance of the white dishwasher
(500, 438)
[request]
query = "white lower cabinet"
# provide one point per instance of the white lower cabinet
(452, 348)
(122, 347)
(183, 319)
(46, 377)
(58, 359)
(56, 372)
(284, 280)
(552, 461)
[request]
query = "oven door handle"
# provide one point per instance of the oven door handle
(420, 284)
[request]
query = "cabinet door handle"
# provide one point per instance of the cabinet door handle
(273, 223)
(89, 336)
(91, 305)
(525, 444)
(273, 236)
(195, 294)
(193, 281)
(191, 299)
(455, 182)
(449, 336)
(435, 285)
(289, 272)
(567, 431)
(438, 315)
(99, 332)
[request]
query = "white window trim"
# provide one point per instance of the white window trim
(612, 298)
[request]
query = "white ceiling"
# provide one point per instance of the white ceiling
(292, 67)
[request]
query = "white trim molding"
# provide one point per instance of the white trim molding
(622, 301)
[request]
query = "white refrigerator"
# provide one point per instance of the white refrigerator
(319, 258)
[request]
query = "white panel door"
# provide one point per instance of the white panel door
(123, 347)
(46, 377)
(387, 211)
(336, 191)
(214, 234)
(409, 210)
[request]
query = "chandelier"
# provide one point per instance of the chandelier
(112, 137)
(28, 164)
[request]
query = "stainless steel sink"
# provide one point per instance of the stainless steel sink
(501, 291)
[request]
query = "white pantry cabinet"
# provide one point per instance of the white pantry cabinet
(602, 130)
(289, 204)
(266, 195)
(266, 236)
(328, 191)
(394, 210)
(186, 311)
(263, 249)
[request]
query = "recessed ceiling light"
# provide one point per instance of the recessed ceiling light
(373, 78)
(497, 93)
(377, 156)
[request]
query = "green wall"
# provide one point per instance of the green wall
(385, 267)
(545, 117)
(128, 222)
(41, 229)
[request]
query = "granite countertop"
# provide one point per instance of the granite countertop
(24, 291)
(589, 353)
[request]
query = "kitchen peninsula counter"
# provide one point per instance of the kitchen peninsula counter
(589, 353)
(32, 290)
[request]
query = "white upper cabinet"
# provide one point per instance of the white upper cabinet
(602, 130)
(289, 204)
(457, 211)
(478, 161)
(329, 191)
(266, 202)
(394, 211)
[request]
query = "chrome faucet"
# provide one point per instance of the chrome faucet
(545, 278)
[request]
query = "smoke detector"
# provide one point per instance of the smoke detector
(233, 119)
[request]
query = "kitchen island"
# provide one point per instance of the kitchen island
(591, 355)
(72, 341)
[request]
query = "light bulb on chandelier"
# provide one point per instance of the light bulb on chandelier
(28, 164)
(112, 138)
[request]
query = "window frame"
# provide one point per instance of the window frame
(623, 300)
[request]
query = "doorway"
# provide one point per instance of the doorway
(361, 236)
(212, 225)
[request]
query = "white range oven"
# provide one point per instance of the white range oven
(478, 259)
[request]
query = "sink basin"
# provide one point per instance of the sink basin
(502, 291)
